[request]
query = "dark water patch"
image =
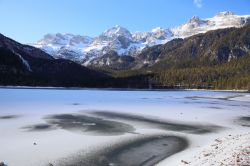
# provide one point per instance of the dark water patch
(218, 108)
(146, 151)
(227, 103)
(244, 121)
(3, 164)
(227, 98)
(144, 98)
(6, 117)
(185, 102)
(76, 104)
(197, 102)
(159, 98)
(89, 125)
(245, 118)
(156, 98)
(159, 123)
(201, 102)
(192, 98)
(39, 127)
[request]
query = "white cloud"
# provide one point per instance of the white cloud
(198, 3)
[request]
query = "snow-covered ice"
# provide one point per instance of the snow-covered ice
(41, 126)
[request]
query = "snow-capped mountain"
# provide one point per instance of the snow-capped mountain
(156, 36)
(66, 46)
(115, 38)
(222, 20)
(85, 50)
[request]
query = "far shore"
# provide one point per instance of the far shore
(124, 89)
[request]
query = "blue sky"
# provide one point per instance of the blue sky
(28, 20)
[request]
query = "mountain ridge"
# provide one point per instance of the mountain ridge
(87, 51)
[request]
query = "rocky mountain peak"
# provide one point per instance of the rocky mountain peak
(194, 19)
(157, 29)
(117, 31)
(225, 13)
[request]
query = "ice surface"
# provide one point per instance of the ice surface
(33, 132)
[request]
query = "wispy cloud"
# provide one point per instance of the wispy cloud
(198, 3)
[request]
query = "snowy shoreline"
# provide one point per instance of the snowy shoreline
(123, 89)
(233, 150)
(230, 150)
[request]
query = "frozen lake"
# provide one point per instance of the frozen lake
(112, 127)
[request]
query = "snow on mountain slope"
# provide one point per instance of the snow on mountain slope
(66, 46)
(84, 49)
(114, 38)
(222, 20)
(156, 36)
